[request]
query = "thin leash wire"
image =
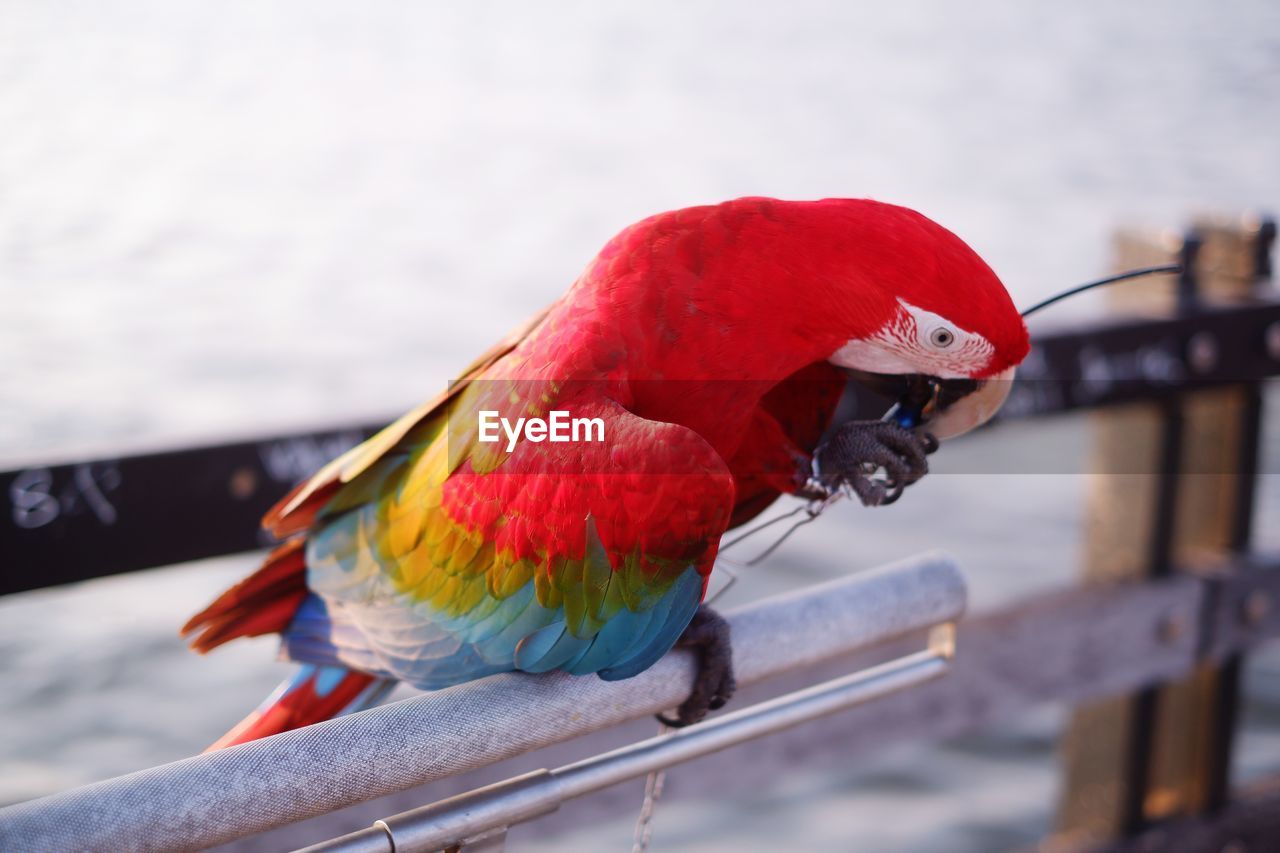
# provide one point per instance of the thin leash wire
(762, 526)
(812, 510)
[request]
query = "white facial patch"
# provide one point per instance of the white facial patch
(870, 355)
(918, 341)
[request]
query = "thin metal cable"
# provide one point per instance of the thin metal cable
(653, 786)
(1102, 282)
(813, 509)
(777, 543)
(753, 531)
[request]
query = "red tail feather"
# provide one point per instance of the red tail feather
(263, 603)
(299, 704)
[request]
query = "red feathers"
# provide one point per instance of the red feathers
(263, 603)
(303, 703)
(702, 337)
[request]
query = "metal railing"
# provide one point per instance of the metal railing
(483, 816)
(218, 797)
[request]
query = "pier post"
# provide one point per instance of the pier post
(1171, 490)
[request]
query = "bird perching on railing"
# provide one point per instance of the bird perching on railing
(710, 344)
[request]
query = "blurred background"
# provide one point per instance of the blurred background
(233, 219)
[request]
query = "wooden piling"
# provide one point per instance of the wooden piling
(1168, 483)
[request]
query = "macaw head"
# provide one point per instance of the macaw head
(924, 315)
(759, 288)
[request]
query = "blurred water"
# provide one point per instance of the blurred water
(231, 218)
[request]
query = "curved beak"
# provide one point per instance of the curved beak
(945, 408)
(948, 415)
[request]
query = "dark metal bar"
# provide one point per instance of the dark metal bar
(1188, 284)
(1227, 702)
(1115, 363)
(1227, 712)
(1160, 549)
(1243, 606)
(1159, 564)
(1143, 713)
(65, 523)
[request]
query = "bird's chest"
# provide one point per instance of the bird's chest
(720, 411)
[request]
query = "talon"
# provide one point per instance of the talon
(869, 491)
(708, 634)
(893, 494)
(860, 449)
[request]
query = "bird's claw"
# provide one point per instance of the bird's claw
(853, 458)
(708, 636)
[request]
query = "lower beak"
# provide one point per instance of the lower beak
(945, 408)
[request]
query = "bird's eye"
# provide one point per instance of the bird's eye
(942, 337)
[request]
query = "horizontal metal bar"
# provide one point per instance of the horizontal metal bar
(750, 723)
(1127, 361)
(65, 523)
(1246, 608)
(1067, 646)
(471, 815)
(213, 798)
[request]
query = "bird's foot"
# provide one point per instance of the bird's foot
(854, 457)
(708, 635)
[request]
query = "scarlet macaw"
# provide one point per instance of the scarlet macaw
(709, 342)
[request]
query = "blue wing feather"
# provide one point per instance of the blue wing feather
(410, 644)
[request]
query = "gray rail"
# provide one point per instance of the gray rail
(218, 797)
(486, 814)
